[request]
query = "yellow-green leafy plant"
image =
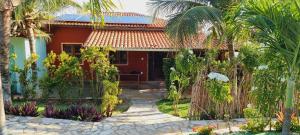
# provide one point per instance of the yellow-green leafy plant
(110, 97)
(99, 67)
(182, 75)
(28, 86)
(275, 24)
(255, 121)
(269, 85)
(203, 130)
(64, 71)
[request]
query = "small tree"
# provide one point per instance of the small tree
(100, 67)
(182, 75)
(61, 74)
(110, 97)
(269, 84)
(28, 85)
(276, 25)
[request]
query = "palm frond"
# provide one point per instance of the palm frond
(276, 24)
(174, 6)
(187, 24)
(97, 7)
(53, 6)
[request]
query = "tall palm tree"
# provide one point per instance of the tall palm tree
(276, 25)
(2, 112)
(187, 17)
(30, 15)
(6, 9)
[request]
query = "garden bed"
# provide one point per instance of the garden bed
(83, 110)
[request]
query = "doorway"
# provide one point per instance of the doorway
(155, 66)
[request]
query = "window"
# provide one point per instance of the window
(118, 57)
(72, 49)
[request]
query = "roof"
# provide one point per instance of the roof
(112, 19)
(139, 40)
(123, 34)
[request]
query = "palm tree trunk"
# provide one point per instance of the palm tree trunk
(288, 105)
(233, 74)
(195, 107)
(2, 113)
(32, 44)
(4, 52)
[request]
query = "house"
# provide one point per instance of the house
(20, 47)
(140, 41)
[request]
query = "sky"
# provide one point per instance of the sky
(137, 6)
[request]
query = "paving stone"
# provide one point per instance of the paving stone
(142, 118)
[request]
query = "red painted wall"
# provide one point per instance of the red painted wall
(137, 61)
(66, 35)
(61, 35)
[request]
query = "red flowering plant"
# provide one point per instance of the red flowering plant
(203, 130)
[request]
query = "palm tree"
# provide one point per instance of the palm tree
(2, 112)
(187, 17)
(276, 25)
(30, 15)
(6, 9)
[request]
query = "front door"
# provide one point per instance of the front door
(155, 65)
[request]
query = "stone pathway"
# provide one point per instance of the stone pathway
(142, 118)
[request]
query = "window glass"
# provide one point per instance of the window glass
(72, 49)
(118, 57)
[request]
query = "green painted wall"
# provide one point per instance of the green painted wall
(20, 46)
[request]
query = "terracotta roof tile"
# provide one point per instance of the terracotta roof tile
(138, 39)
(133, 36)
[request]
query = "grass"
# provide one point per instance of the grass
(165, 106)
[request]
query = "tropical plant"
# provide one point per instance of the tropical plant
(203, 130)
(29, 17)
(269, 84)
(219, 91)
(74, 112)
(295, 124)
(28, 86)
(97, 7)
(100, 67)
(2, 111)
(110, 97)
(167, 64)
(6, 8)
(188, 17)
(276, 25)
(63, 76)
(26, 109)
(255, 121)
(182, 75)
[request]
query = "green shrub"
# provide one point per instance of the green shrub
(219, 91)
(167, 64)
(110, 97)
(203, 130)
(61, 77)
(255, 121)
(28, 86)
(295, 124)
